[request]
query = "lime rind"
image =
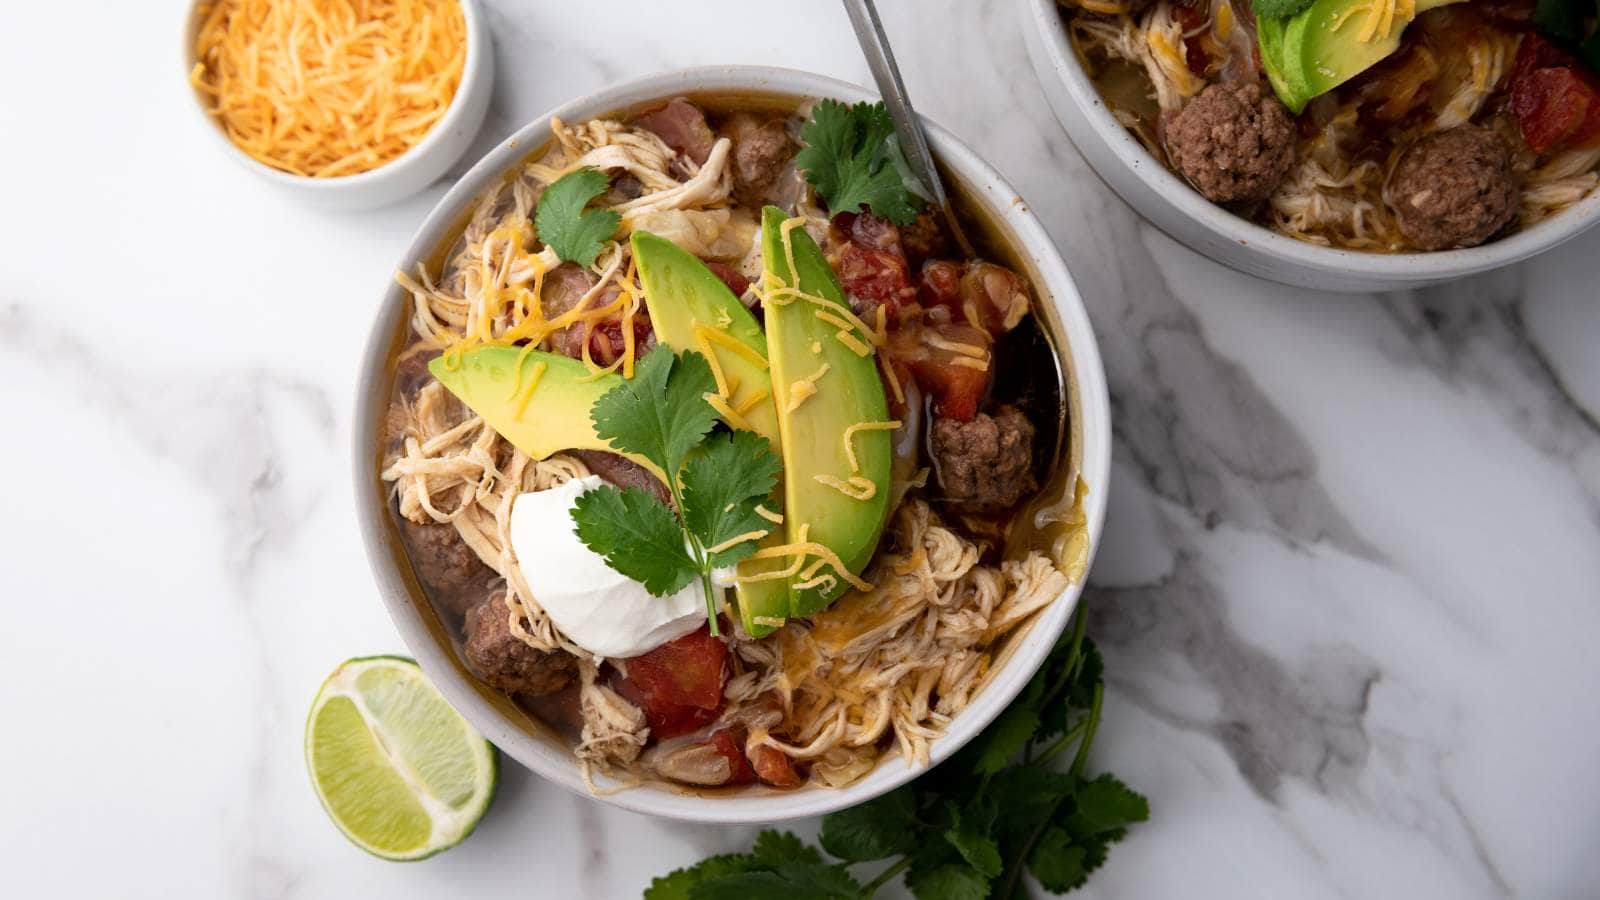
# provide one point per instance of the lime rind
(405, 698)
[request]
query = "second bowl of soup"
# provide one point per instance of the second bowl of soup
(1327, 143)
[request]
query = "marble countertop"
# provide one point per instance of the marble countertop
(1347, 592)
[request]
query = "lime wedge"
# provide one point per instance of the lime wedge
(400, 772)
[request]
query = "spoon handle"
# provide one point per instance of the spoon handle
(913, 143)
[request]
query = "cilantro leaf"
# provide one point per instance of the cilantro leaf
(969, 834)
(774, 847)
(638, 537)
(951, 881)
(1059, 865)
(1105, 805)
(1006, 737)
(680, 884)
(1280, 9)
(849, 157)
(661, 413)
(874, 830)
(723, 483)
(575, 234)
(790, 880)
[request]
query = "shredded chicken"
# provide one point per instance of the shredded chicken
(898, 662)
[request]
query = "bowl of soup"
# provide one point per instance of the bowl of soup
(707, 485)
(1331, 145)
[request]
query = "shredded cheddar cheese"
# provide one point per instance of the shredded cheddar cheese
(738, 539)
(856, 488)
(851, 432)
(769, 515)
(325, 88)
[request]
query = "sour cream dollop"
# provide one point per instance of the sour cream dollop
(594, 605)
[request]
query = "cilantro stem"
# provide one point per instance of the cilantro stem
(700, 560)
(884, 877)
(1091, 724)
(1060, 744)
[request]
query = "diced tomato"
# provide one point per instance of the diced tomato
(957, 388)
(1193, 20)
(730, 276)
(605, 341)
(730, 745)
(993, 295)
(941, 284)
(678, 684)
(873, 278)
(773, 767)
(1555, 99)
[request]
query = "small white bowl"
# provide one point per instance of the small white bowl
(1180, 211)
(399, 178)
(538, 747)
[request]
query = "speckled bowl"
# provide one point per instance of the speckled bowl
(1174, 207)
(1087, 449)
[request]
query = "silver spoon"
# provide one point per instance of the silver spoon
(908, 128)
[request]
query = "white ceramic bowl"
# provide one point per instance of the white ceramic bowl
(1177, 209)
(539, 748)
(401, 177)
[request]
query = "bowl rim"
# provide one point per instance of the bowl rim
(1046, 17)
(473, 78)
(753, 805)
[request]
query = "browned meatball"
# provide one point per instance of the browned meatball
(623, 472)
(504, 662)
(448, 569)
(761, 149)
(1453, 188)
(1234, 142)
(987, 461)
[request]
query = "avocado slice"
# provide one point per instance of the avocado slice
(1322, 47)
(688, 302)
(848, 392)
(553, 416)
(1269, 35)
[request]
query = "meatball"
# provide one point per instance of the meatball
(448, 569)
(623, 472)
(761, 149)
(1453, 188)
(987, 461)
(1234, 142)
(505, 662)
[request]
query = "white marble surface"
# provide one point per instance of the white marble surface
(1348, 595)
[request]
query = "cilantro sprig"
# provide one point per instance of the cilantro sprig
(852, 159)
(969, 829)
(716, 480)
(565, 226)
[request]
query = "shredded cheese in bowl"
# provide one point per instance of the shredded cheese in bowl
(328, 88)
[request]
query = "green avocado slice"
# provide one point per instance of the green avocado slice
(1321, 48)
(848, 392)
(552, 416)
(687, 303)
